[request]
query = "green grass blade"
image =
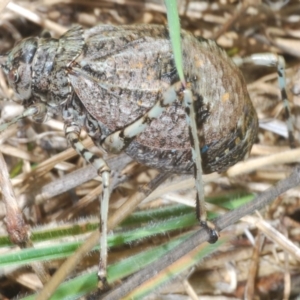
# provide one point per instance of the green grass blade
(174, 30)
(148, 223)
(83, 284)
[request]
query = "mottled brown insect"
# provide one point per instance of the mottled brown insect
(121, 85)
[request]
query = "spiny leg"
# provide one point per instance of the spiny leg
(196, 155)
(72, 132)
(277, 61)
(120, 139)
(130, 205)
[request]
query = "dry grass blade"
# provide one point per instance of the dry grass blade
(275, 236)
(35, 18)
(15, 223)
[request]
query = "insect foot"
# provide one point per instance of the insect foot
(213, 233)
(120, 84)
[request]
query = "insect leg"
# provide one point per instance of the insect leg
(37, 110)
(119, 140)
(196, 155)
(277, 61)
(72, 132)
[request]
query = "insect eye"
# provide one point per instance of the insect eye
(13, 75)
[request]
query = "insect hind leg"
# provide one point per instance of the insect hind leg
(72, 132)
(119, 140)
(196, 156)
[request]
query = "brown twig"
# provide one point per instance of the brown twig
(18, 230)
